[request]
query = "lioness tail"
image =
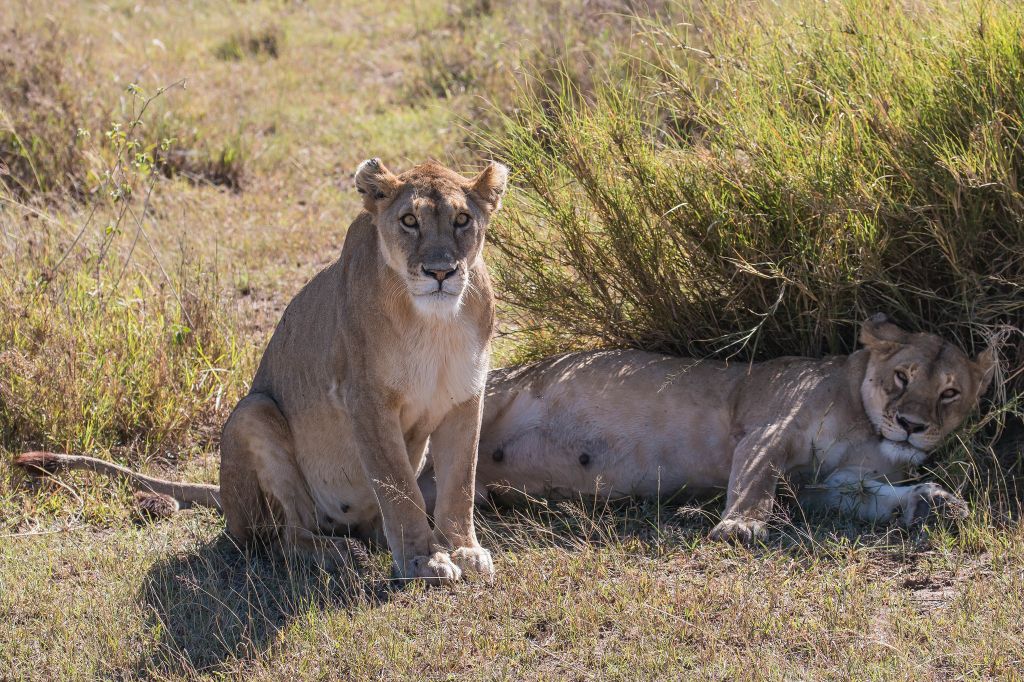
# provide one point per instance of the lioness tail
(184, 494)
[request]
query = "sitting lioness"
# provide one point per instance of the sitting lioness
(847, 430)
(387, 347)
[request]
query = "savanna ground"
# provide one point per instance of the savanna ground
(734, 179)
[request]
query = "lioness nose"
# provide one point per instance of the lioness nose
(440, 272)
(909, 425)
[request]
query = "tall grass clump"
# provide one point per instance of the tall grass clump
(43, 115)
(265, 42)
(105, 343)
(755, 182)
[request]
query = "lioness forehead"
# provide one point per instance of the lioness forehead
(933, 355)
(435, 182)
(433, 203)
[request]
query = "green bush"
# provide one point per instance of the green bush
(755, 183)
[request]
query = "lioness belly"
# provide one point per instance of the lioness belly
(585, 429)
(326, 453)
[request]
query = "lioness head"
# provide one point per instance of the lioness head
(918, 388)
(431, 223)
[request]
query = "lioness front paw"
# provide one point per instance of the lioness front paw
(930, 501)
(744, 531)
(475, 561)
(436, 569)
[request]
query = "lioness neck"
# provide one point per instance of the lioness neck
(430, 362)
(856, 367)
(354, 320)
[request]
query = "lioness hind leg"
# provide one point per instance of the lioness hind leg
(262, 490)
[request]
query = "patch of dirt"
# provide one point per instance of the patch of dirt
(930, 592)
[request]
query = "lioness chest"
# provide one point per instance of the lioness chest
(436, 366)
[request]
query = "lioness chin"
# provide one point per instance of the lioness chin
(847, 430)
(387, 347)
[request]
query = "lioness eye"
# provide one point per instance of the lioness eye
(949, 394)
(409, 220)
(901, 378)
(462, 220)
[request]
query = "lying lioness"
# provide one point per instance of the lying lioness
(384, 349)
(846, 429)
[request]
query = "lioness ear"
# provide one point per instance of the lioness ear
(879, 334)
(374, 181)
(985, 368)
(490, 185)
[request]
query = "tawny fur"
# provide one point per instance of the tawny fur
(618, 423)
(387, 347)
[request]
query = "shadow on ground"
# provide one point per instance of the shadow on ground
(217, 604)
(222, 602)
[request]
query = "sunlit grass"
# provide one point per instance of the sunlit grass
(746, 164)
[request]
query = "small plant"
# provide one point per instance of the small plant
(96, 356)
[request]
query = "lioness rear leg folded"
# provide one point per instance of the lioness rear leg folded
(262, 490)
(756, 468)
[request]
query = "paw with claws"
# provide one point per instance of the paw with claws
(474, 561)
(739, 530)
(436, 569)
(929, 501)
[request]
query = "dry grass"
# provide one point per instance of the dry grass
(142, 268)
(582, 593)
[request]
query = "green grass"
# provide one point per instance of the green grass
(806, 168)
(741, 180)
(86, 366)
